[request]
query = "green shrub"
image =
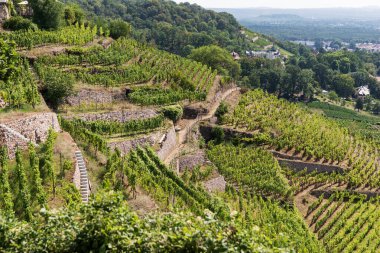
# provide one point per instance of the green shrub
(19, 23)
(222, 110)
(173, 112)
(217, 134)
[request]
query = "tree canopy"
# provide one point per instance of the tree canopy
(217, 58)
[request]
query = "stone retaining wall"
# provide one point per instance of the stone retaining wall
(166, 147)
(284, 159)
(20, 132)
(121, 116)
(190, 161)
(192, 111)
(4, 12)
(216, 184)
(126, 146)
(310, 167)
(88, 96)
(229, 133)
(12, 142)
(36, 127)
(169, 144)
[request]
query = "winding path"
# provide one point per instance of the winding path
(190, 123)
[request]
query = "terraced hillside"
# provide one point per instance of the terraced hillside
(337, 192)
(127, 127)
(291, 130)
(154, 77)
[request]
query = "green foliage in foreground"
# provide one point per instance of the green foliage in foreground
(107, 224)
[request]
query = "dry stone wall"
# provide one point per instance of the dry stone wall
(36, 127)
(216, 184)
(121, 116)
(88, 96)
(191, 161)
(126, 146)
(12, 141)
(4, 12)
(168, 145)
(20, 132)
(3, 104)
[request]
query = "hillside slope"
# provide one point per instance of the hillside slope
(176, 28)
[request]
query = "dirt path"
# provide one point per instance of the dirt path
(190, 123)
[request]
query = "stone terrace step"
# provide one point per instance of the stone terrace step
(84, 183)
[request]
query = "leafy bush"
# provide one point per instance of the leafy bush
(107, 225)
(217, 134)
(119, 28)
(173, 112)
(19, 23)
(222, 110)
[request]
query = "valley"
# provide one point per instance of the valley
(127, 133)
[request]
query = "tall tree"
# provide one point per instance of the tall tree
(48, 14)
(217, 58)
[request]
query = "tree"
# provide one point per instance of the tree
(217, 134)
(19, 23)
(119, 28)
(306, 82)
(48, 14)
(222, 110)
(359, 105)
(362, 78)
(73, 14)
(173, 112)
(57, 87)
(345, 65)
(333, 96)
(323, 75)
(343, 85)
(376, 108)
(217, 58)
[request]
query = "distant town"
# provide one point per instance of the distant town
(335, 45)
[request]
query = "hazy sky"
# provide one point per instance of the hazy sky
(283, 3)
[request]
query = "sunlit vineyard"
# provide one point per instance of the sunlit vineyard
(155, 152)
(168, 78)
(290, 128)
(32, 179)
(21, 88)
(252, 169)
(346, 222)
(255, 187)
(72, 35)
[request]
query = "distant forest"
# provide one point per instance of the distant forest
(177, 28)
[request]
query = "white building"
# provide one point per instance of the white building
(363, 91)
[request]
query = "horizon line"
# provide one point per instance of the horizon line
(298, 8)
